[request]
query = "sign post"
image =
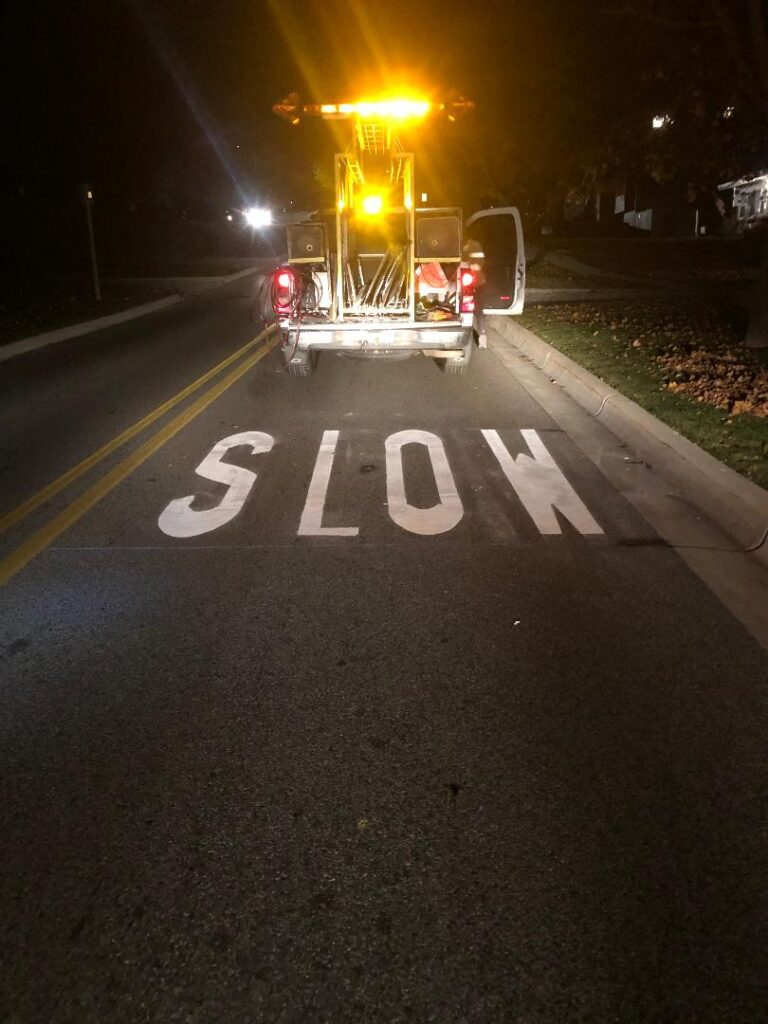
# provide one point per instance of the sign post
(88, 201)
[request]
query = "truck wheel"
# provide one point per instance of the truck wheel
(302, 364)
(456, 367)
(299, 370)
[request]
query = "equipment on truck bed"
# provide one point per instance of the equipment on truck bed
(380, 276)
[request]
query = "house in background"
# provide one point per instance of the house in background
(640, 205)
(671, 210)
(749, 200)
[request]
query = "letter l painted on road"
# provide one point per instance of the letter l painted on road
(311, 524)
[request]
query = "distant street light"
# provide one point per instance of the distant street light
(257, 217)
(661, 121)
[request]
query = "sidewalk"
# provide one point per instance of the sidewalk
(613, 285)
(182, 288)
(543, 296)
(196, 283)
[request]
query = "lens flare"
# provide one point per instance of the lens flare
(373, 204)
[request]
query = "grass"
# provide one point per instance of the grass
(654, 352)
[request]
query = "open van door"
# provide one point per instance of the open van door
(500, 233)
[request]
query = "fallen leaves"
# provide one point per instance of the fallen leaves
(695, 352)
(726, 379)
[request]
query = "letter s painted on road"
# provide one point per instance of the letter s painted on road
(179, 519)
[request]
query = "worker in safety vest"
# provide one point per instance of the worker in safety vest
(473, 254)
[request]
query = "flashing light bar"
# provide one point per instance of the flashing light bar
(395, 110)
(399, 109)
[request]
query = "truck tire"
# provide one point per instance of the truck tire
(302, 364)
(299, 370)
(456, 367)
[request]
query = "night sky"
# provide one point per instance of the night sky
(167, 103)
(150, 98)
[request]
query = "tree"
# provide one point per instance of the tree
(705, 65)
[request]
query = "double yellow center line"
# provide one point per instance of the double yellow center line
(38, 541)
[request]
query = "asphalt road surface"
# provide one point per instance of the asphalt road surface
(365, 697)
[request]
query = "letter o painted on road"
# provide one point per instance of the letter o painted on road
(443, 516)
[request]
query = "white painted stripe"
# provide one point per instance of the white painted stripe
(311, 524)
(541, 485)
(425, 521)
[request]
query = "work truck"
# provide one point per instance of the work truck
(382, 276)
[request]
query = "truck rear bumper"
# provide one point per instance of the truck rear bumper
(361, 338)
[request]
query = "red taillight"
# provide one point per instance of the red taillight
(283, 292)
(468, 280)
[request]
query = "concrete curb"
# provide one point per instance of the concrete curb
(79, 330)
(738, 506)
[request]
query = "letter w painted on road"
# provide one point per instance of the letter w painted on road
(541, 486)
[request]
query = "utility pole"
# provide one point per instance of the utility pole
(88, 202)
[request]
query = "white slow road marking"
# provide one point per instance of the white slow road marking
(443, 516)
(541, 486)
(536, 478)
(179, 519)
(311, 524)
